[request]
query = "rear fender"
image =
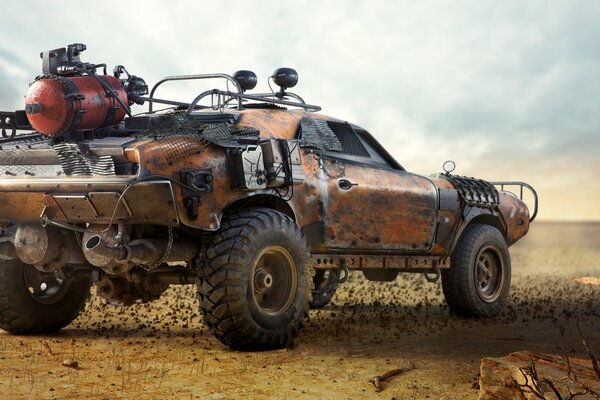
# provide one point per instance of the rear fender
(260, 200)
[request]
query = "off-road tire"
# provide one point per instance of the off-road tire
(230, 280)
(480, 251)
(326, 282)
(21, 312)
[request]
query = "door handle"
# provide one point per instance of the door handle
(345, 184)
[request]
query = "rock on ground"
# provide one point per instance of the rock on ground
(501, 376)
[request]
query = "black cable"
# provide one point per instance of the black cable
(113, 94)
(270, 88)
(287, 167)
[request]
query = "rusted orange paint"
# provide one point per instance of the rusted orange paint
(403, 213)
(386, 211)
(273, 123)
(21, 206)
(516, 216)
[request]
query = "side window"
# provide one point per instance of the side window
(344, 141)
(374, 154)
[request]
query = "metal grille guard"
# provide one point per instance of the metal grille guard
(521, 185)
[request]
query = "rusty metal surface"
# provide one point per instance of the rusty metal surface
(152, 202)
(107, 204)
(403, 217)
(37, 245)
(382, 210)
(273, 123)
(516, 217)
(76, 206)
(27, 200)
(47, 248)
(355, 209)
(148, 252)
(307, 204)
(361, 262)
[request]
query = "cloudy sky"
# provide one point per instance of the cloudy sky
(507, 89)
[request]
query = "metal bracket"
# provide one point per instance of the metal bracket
(10, 122)
(196, 181)
(247, 168)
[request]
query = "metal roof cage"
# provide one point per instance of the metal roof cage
(220, 99)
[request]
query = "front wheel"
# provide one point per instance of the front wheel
(478, 281)
(32, 301)
(255, 284)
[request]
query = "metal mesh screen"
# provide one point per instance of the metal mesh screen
(183, 124)
(178, 148)
(181, 135)
(316, 133)
(350, 142)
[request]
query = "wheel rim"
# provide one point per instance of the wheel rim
(45, 288)
(489, 274)
(274, 280)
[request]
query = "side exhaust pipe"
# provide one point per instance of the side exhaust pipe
(142, 251)
(96, 245)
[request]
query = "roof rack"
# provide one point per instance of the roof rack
(221, 98)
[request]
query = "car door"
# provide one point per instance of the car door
(372, 203)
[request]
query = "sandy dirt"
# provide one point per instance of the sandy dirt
(161, 349)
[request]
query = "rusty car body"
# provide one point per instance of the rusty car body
(257, 198)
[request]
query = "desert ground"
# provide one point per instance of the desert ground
(161, 349)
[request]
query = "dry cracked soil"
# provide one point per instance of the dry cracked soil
(161, 349)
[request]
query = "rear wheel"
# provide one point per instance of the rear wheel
(326, 282)
(478, 281)
(32, 301)
(255, 284)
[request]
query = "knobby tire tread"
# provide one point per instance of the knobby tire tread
(221, 286)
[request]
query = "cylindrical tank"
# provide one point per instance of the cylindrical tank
(55, 104)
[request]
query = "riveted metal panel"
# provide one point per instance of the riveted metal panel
(107, 204)
(76, 207)
(449, 200)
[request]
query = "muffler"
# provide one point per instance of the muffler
(139, 251)
(46, 248)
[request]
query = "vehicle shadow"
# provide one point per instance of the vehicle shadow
(379, 330)
(375, 330)
(536, 317)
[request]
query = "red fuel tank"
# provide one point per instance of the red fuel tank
(56, 104)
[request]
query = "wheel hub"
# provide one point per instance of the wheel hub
(274, 280)
(262, 280)
(45, 288)
(489, 274)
